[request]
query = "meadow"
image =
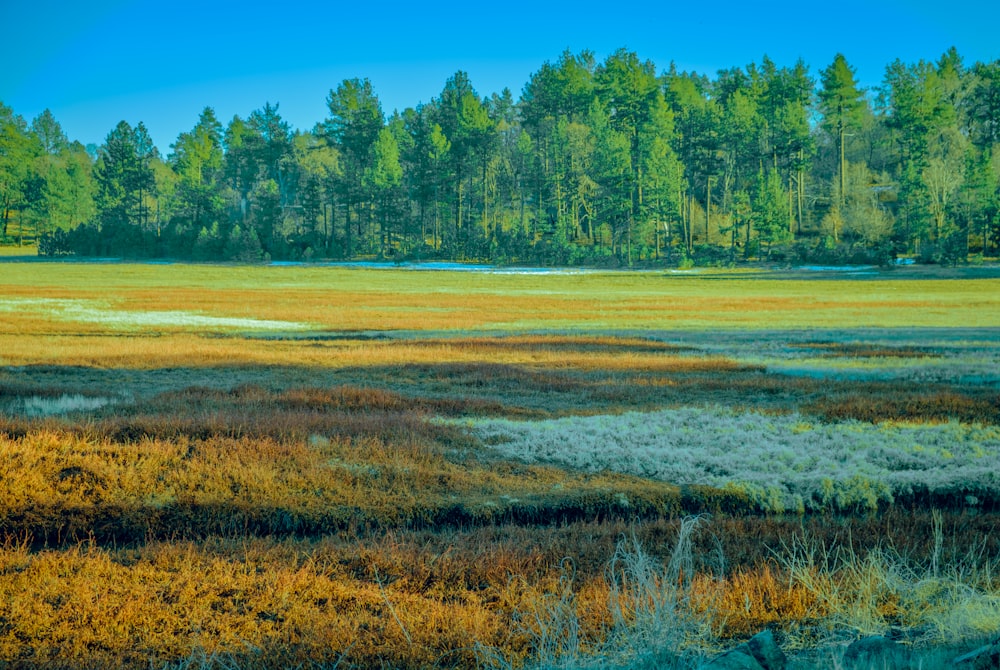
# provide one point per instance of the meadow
(210, 466)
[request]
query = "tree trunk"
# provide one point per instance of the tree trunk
(486, 204)
(791, 216)
(801, 191)
(746, 249)
(843, 167)
(460, 183)
(347, 230)
(708, 208)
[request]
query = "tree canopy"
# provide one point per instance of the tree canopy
(606, 162)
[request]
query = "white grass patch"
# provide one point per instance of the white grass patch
(96, 311)
(788, 462)
(36, 406)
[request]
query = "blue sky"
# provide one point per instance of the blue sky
(96, 63)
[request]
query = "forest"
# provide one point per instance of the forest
(601, 163)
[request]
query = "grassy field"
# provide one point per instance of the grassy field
(13, 250)
(257, 467)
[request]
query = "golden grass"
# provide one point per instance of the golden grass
(376, 300)
(189, 350)
(856, 350)
(288, 502)
(535, 375)
(907, 404)
(279, 604)
(13, 250)
(753, 599)
(306, 462)
(415, 599)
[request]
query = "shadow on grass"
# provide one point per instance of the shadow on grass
(108, 523)
(402, 469)
(485, 388)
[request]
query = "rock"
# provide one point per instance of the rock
(766, 651)
(760, 652)
(986, 657)
(734, 659)
(876, 652)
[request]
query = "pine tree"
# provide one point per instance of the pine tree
(842, 104)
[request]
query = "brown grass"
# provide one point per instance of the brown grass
(513, 376)
(351, 300)
(184, 350)
(304, 461)
(862, 350)
(285, 502)
(877, 403)
(407, 599)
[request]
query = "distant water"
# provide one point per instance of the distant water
(439, 266)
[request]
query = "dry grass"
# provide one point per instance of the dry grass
(184, 350)
(877, 403)
(859, 350)
(344, 300)
(255, 601)
(284, 499)
(869, 593)
(517, 376)
(413, 599)
(12, 250)
(304, 461)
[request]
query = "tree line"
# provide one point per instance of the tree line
(605, 163)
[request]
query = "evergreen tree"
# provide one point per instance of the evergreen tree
(594, 161)
(631, 94)
(60, 192)
(470, 131)
(197, 159)
(124, 177)
(842, 104)
(770, 212)
(921, 114)
(49, 133)
(240, 167)
(352, 128)
(319, 168)
(18, 149)
(982, 105)
(386, 178)
(277, 175)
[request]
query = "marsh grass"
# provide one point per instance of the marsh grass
(675, 612)
(870, 593)
(876, 403)
(778, 462)
(299, 462)
(313, 498)
(865, 350)
(529, 376)
(356, 300)
(649, 595)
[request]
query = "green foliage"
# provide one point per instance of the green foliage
(770, 212)
(242, 246)
(840, 99)
(17, 151)
(596, 163)
(124, 177)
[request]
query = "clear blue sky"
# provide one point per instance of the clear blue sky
(96, 63)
